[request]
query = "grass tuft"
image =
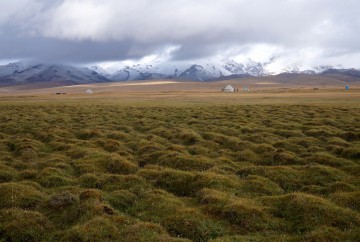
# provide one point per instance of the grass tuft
(105, 171)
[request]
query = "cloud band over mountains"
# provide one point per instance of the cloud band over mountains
(86, 31)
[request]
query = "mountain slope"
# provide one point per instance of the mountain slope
(170, 70)
(23, 73)
(205, 70)
(348, 75)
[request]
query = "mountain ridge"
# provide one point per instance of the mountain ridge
(31, 72)
(25, 73)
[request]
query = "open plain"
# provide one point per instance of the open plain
(172, 161)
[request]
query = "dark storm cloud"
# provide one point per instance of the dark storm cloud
(51, 49)
(94, 30)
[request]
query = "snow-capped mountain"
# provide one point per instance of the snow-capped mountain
(195, 71)
(201, 70)
(170, 70)
(27, 72)
(13, 68)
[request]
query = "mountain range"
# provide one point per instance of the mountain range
(59, 74)
(27, 72)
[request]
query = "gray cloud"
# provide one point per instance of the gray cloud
(50, 49)
(95, 30)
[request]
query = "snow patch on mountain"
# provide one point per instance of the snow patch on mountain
(13, 68)
(196, 70)
(27, 72)
(205, 70)
(99, 70)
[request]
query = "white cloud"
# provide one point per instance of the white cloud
(78, 20)
(9, 8)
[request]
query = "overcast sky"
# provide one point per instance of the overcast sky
(86, 31)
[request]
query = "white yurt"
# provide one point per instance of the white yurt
(228, 88)
(89, 91)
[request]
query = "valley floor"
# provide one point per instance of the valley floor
(179, 93)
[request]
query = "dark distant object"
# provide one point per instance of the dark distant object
(316, 88)
(347, 87)
(60, 93)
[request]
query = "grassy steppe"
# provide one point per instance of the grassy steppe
(104, 172)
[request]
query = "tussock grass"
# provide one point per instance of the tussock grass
(304, 212)
(178, 219)
(7, 173)
(96, 229)
(111, 172)
(89, 180)
(121, 200)
(244, 213)
(21, 225)
(19, 195)
(254, 184)
(174, 181)
(347, 199)
(145, 231)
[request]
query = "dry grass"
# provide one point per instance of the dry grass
(211, 167)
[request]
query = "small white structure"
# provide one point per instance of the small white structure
(228, 88)
(89, 91)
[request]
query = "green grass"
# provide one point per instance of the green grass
(109, 172)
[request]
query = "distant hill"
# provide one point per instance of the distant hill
(348, 75)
